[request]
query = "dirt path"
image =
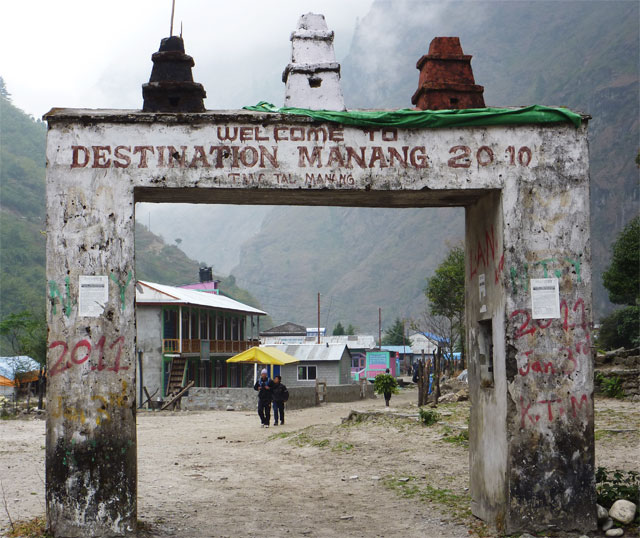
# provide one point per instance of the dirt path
(220, 474)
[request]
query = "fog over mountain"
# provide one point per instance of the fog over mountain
(583, 55)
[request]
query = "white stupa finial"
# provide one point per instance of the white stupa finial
(313, 77)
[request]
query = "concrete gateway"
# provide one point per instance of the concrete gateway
(524, 184)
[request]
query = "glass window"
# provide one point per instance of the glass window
(219, 335)
(306, 373)
(170, 321)
(185, 323)
(234, 329)
(227, 328)
(203, 325)
(194, 324)
(212, 327)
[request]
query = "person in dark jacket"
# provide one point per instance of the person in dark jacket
(280, 395)
(264, 386)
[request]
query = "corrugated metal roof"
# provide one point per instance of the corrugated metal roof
(286, 329)
(359, 341)
(355, 341)
(149, 293)
(313, 352)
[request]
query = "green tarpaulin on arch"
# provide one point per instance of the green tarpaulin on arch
(408, 118)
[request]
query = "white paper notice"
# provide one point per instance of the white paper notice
(93, 295)
(545, 298)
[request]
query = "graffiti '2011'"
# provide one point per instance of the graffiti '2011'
(82, 351)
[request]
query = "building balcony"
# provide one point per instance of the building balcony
(172, 345)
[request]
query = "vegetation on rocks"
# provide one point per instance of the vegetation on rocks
(615, 484)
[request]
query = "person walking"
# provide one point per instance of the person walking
(264, 386)
(387, 395)
(280, 395)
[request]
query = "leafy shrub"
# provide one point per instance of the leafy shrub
(612, 485)
(459, 438)
(620, 329)
(428, 416)
(385, 383)
(611, 386)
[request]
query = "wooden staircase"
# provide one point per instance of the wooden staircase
(176, 375)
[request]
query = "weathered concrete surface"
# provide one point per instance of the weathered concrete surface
(485, 307)
(249, 157)
(149, 326)
(532, 446)
(91, 429)
(526, 190)
(313, 77)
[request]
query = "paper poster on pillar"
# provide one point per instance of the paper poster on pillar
(545, 298)
(93, 294)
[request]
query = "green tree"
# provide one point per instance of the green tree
(394, 335)
(25, 333)
(445, 294)
(3, 89)
(338, 330)
(622, 279)
(351, 330)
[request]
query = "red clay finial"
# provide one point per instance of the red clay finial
(446, 79)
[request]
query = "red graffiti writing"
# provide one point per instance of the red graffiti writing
(526, 325)
(483, 254)
(531, 413)
(499, 269)
(81, 353)
(570, 364)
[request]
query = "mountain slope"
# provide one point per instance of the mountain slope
(583, 55)
(22, 218)
(358, 259)
(22, 239)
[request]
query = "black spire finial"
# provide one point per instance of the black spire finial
(171, 87)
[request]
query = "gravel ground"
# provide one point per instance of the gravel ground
(219, 474)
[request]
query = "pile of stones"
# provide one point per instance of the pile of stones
(621, 512)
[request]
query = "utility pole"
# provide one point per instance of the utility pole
(318, 317)
(379, 328)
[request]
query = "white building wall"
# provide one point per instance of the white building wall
(149, 342)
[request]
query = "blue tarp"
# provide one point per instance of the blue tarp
(9, 366)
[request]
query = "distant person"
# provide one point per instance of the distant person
(264, 386)
(280, 395)
(387, 395)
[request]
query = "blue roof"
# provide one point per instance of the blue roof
(20, 364)
(435, 338)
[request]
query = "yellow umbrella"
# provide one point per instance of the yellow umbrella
(264, 355)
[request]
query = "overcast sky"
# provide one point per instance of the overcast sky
(97, 54)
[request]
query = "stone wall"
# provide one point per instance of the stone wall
(348, 393)
(202, 398)
(621, 364)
